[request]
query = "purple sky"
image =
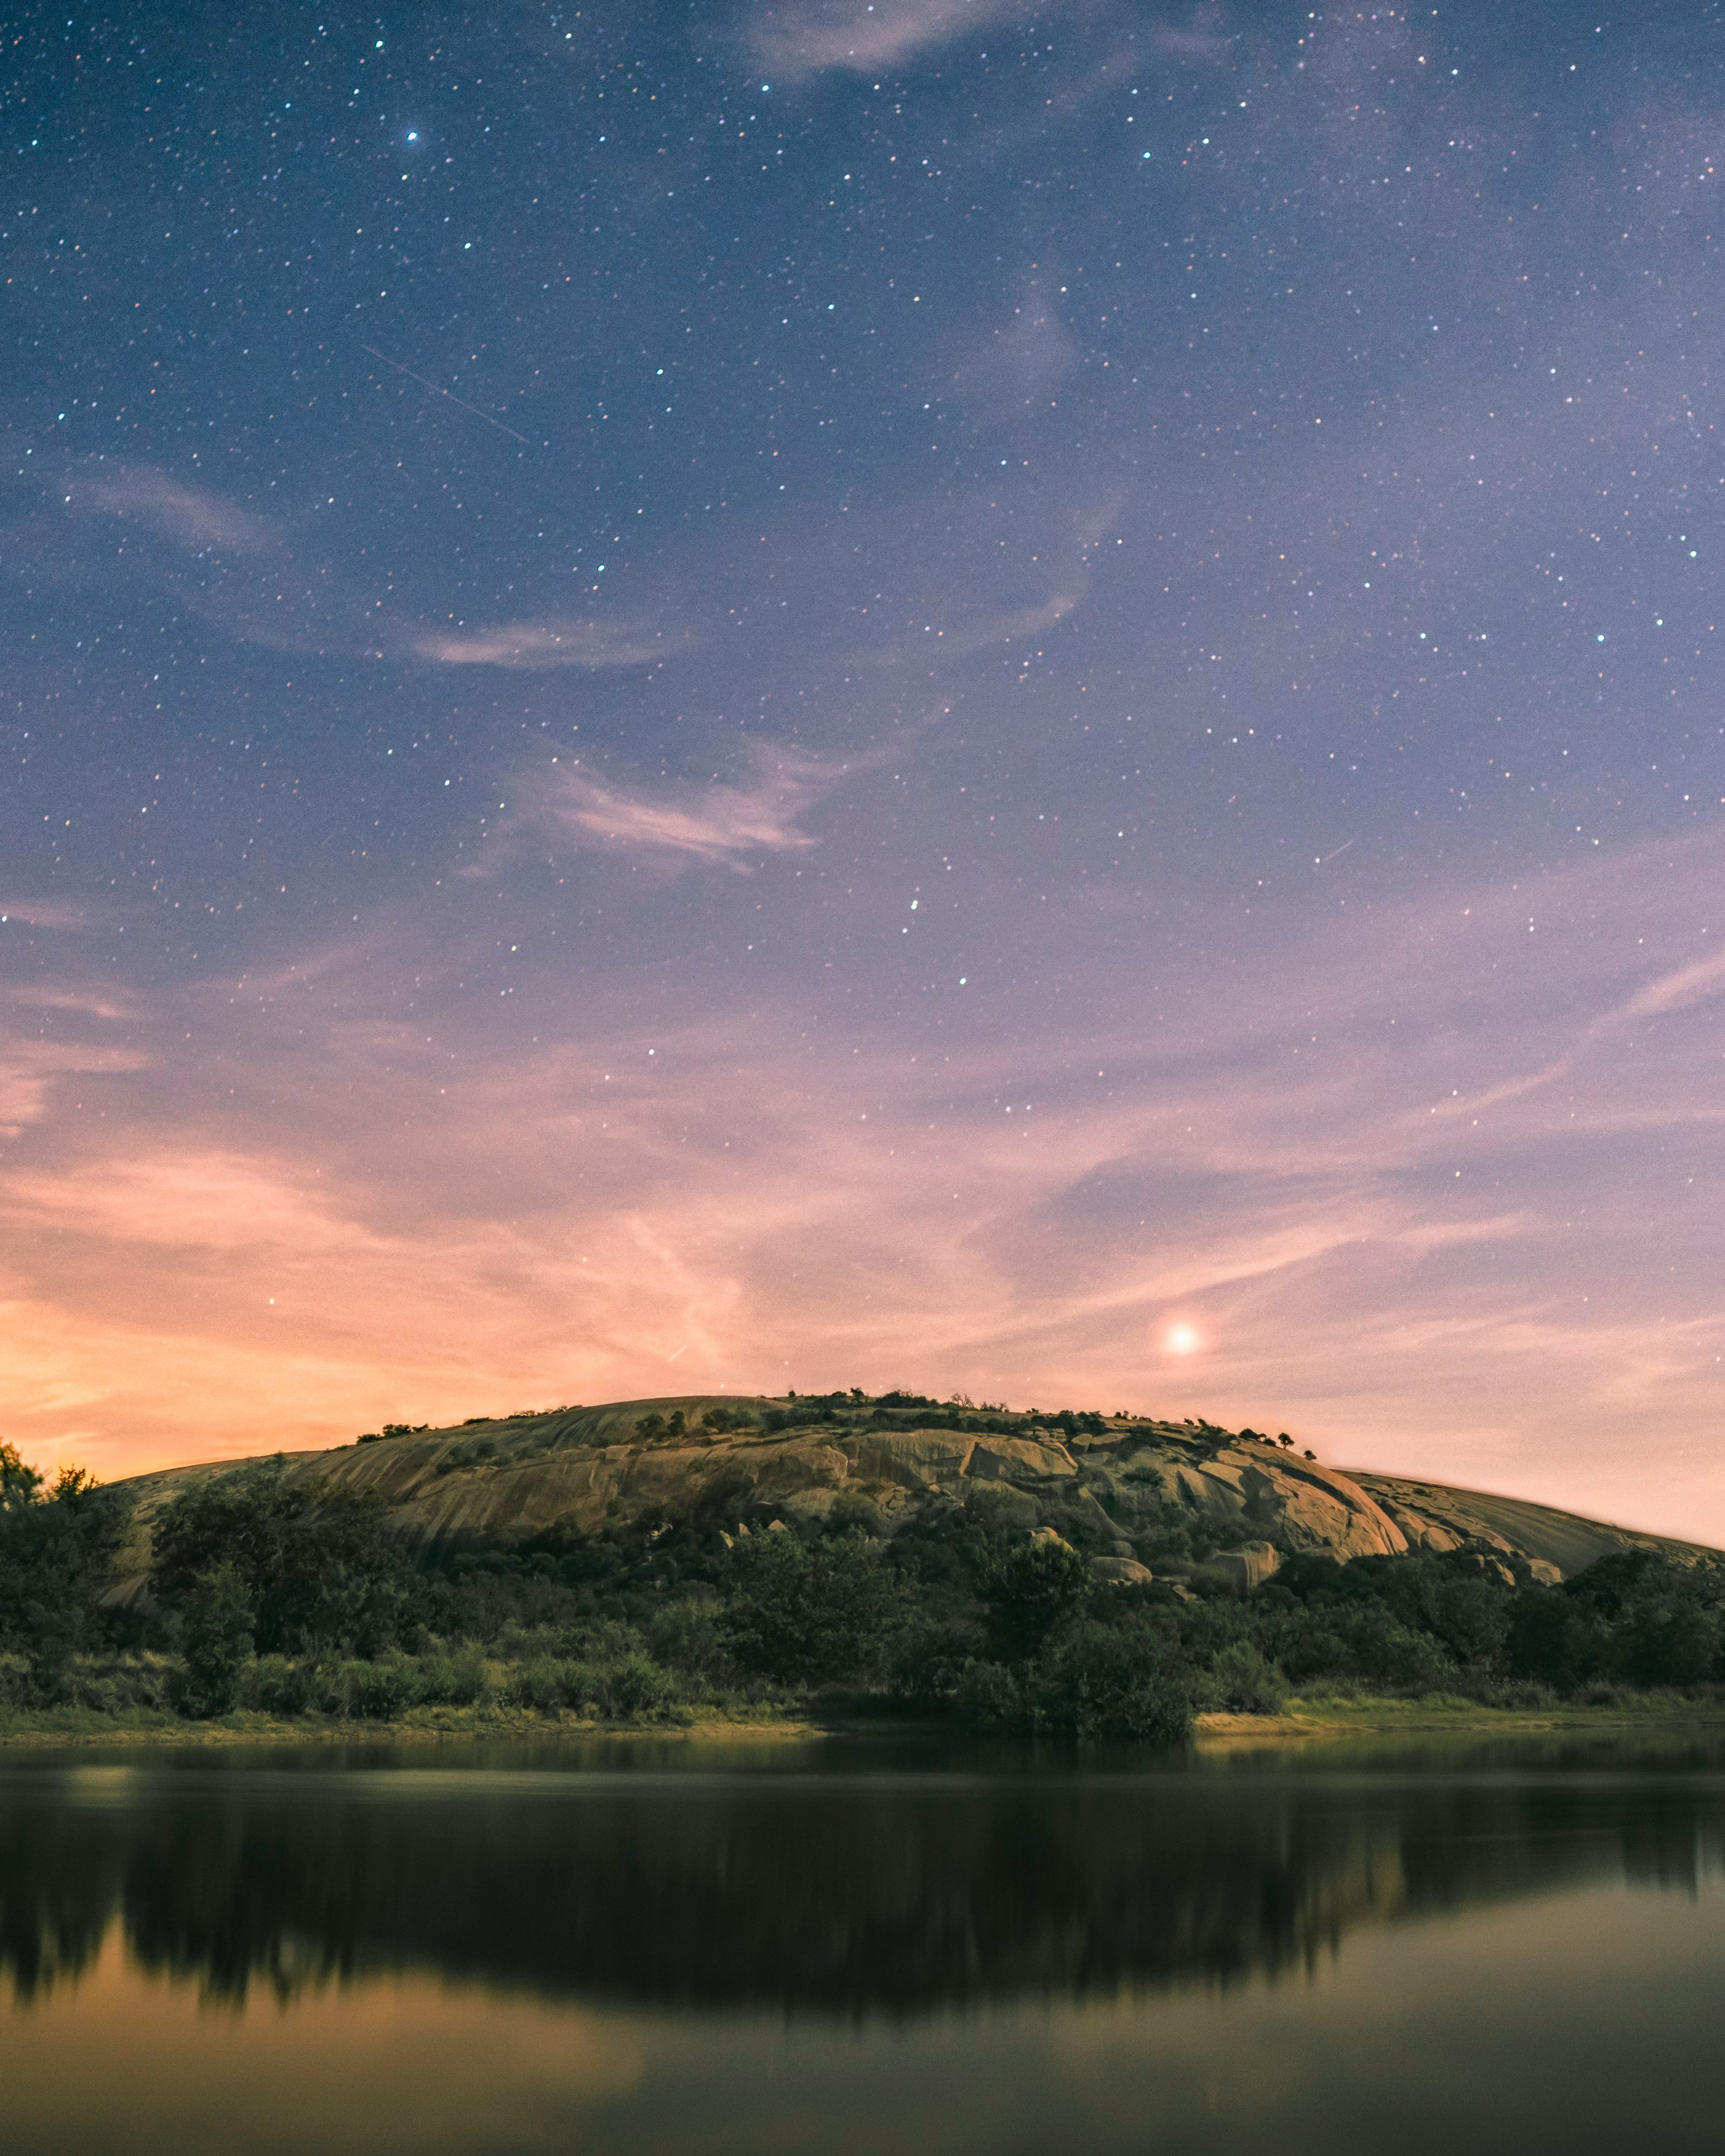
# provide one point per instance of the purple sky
(1024, 701)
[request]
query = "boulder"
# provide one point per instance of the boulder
(1018, 1460)
(1248, 1567)
(1121, 1571)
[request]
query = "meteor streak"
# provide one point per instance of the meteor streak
(449, 393)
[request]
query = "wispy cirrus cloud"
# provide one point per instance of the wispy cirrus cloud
(191, 515)
(1195, 43)
(808, 39)
(1022, 359)
(802, 37)
(962, 631)
(1676, 991)
(539, 647)
(86, 1003)
(320, 615)
(45, 912)
(31, 1069)
(726, 823)
(1393, 1231)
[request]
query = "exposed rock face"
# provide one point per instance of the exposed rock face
(1248, 1566)
(1121, 1571)
(576, 1471)
(1436, 1517)
(1309, 1508)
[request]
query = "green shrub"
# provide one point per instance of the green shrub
(1029, 1591)
(989, 1697)
(1119, 1683)
(1527, 1698)
(275, 1686)
(461, 1678)
(688, 1635)
(631, 1688)
(553, 1687)
(1243, 1682)
(809, 1616)
(379, 1691)
(121, 1686)
(319, 1567)
(216, 1641)
(1397, 1658)
(853, 1514)
(635, 1689)
(930, 1660)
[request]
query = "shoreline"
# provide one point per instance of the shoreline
(1324, 1721)
(1301, 1726)
(76, 1730)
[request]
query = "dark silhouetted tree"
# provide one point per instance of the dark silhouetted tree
(1029, 1591)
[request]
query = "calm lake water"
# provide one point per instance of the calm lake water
(668, 1948)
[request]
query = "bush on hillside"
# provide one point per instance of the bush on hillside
(1028, 1592)
(318, 1567)
(1116, 1683)
(812, 1614)
(216, 1626)
(57, 1547)
(1098, 1683)
(1242, 1682)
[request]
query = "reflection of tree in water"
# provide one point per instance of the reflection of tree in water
(823, 1895)
(59, 1891)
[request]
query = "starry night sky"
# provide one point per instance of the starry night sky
(939, 694)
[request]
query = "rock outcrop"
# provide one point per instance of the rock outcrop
(1114, 1486)
(1248, 1566)
(1121, 1572)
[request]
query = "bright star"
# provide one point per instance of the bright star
(1182, 1340)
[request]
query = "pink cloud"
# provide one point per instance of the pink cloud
(46, 912)
(33, 1071)
(542, 646)
(721, 822)
(1021, 1198)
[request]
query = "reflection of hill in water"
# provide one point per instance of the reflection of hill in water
(813, 1893)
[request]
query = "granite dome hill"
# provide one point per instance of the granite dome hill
(1115, 1485)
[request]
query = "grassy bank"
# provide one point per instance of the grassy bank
(1324, 1719)
(126, 1700)
(532, 1684)
(143, 1728)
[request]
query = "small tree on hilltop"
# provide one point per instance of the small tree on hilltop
(19, 1482)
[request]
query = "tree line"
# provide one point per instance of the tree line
(273, 1592)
